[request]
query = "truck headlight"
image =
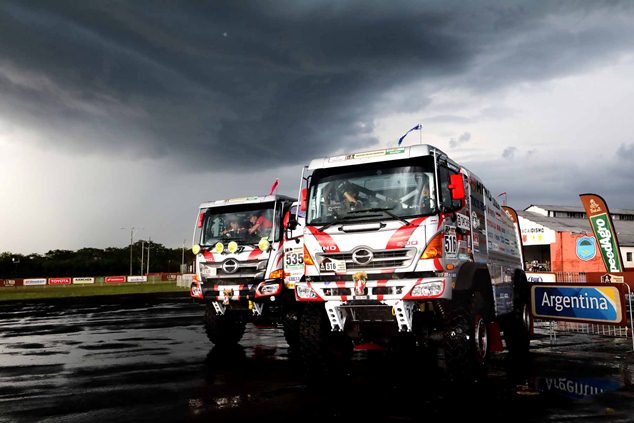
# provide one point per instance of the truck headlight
(305, 292)
(266, 289)
(428, 289)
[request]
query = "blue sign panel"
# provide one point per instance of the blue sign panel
(578, 303)
(586, 248)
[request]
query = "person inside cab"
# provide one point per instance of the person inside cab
(425, 201)
(260, 225)
(233, 229)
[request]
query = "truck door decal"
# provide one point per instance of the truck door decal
(208, 255)
(253, 255)
(402, 235)
(324, 240)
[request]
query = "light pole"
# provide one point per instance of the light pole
(142, 252)
(15, 261)
(183, 258)
(131, 242)
(149, 243)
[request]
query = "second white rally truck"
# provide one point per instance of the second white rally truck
(405, 248)
(239, 248)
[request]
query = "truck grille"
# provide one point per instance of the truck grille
(235, 270)
(376, 259)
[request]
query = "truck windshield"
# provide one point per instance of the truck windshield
(397, 190)
(245, 224)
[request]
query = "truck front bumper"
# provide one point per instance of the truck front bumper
(373, 300)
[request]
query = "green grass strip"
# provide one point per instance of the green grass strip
(65, 291)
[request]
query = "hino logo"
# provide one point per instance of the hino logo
(230, 266)
(362, 256)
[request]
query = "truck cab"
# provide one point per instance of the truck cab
(404, 246)
(238, 244)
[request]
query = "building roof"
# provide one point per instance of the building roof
(624, 228)
(578, 209)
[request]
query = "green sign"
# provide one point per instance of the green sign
(607, 242)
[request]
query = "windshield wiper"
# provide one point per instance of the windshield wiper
(384, 210)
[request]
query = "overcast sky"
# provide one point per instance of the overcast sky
(118, 114)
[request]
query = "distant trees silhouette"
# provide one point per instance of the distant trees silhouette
(93, 261)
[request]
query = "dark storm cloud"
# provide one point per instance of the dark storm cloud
(257, 84)
(555, 179)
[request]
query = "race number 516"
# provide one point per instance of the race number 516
(451, 244)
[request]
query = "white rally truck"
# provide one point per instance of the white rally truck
(239, 248)
(405, 248)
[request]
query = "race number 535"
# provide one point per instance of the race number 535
(294, 258)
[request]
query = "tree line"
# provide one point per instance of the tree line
(94, 261)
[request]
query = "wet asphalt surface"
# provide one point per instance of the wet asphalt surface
(146, 358)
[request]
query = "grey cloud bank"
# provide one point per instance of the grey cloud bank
(225, 91)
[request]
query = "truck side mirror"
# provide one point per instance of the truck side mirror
(303, 204)
(292, 223)
(456, 186)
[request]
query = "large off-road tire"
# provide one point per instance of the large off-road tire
(226, 329)
(518, 326)
(466, 339)
(323, 352)
(290, 326)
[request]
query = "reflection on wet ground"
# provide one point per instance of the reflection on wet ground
(147, 359)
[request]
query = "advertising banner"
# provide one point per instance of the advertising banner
(35, 282)
(591, 303)
(541, 277)
(59, 281)
(603, 228)
(114, 279)
(535, 234)
(137, 278)
(81, 281)
(11, 282)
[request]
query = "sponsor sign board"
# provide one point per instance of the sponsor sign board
(114, 279)
(603, 228)
(35, 282)
(59, 281)
(541, 277)
(535, 234)
(610, 278)
(11, 282)
(137, 278)
(83, 280)
(592, 303)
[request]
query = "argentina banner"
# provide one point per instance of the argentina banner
(593, 303)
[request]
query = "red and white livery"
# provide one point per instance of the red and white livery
(406, 244)
(239, 248)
